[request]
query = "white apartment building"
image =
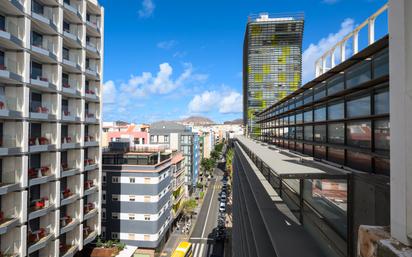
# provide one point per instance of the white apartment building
(51, 60)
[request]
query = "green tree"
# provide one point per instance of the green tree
(208, 165)
(189, 206)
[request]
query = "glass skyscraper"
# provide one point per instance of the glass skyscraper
(272, 63)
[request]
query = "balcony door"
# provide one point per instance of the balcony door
(37, 39)
(36, 70)
(37, 7)
(2, 23)
(2, 60)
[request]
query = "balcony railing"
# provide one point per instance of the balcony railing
(39, 204)
(66, 193)
(14, 29)
(88, 207)
(38, 172)
(39, 141)
(12, 65)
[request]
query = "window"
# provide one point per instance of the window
(308, 116)
(382, 135)
(308, 133)
(115, 179)
(132, 198)
(65, 79)
(382, 166)
(359, 107)
(320, 114)
(2, 23)
(336, 111)
(132, 180)
(292, 119)
(115, 198)
(36, 70)
(320, 92)
(358, 74)
(37, 7)
(115, 215)
(381, 64)
(299, 118)
(336, 133)
(359, 161)
(336, 155)
(166, 138)
(103, 213)
(131, 216)
(66, 54)
(359, 134)
(382, 102)
(2, 61)
(320, 152)
(152, 139)
(147, 217)
(336, 85)
(115, 235)
(299, 133)
(66, 26)
(36, 39)
(320, 133)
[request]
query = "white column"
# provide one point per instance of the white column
(400, 59)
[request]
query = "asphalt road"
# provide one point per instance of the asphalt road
(203, 243)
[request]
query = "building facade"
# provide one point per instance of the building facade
(272, 63)
(180, 138)
(51, 60)
(117, 132)
(137, 193)
(324, 151)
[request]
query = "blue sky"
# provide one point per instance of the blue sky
(166, 60)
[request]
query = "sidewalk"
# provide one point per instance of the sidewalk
(229, 226)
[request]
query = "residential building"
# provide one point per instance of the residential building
(51, 60)
(117, 131)
(178, 171)
(272, 62)
(137, 193)
(181, 138)
(327, 153)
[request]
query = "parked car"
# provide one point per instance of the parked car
(222, 207)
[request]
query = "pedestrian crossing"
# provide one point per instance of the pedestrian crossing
(202, 249)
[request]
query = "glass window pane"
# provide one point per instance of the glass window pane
(382, 166)
(308, 133)
(382, 102)
(320, 114)
(360, 161)
(335, 85)
(382, 135)
(299, 147)
(2, 23)
(292, 132)
(299, 133)
(292, 119)
(359, 107)
(336, 155)
(359, 134)
(320, 133)
(329, 198)
(336, 111)
(308, 97)
(299, 118)
(308, 116)
(308, 149)
(336, 133)
(320, 92)
(358, 74)
(320, 152)
(381, 64)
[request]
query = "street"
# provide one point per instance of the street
(201, 238)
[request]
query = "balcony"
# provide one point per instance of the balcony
(49, 17)
(72, 12)
(10, 247)
(68, 197)
(10, 144)
(11, 36)
(40, 175)
(72, 37)
(90, 164)
(44, 82)
(90, 187)
(70, 117)
(40, 144)
(40, 207)
(92, 51)
(72, 63)
(43, 110)
(67, 250)
(67, 224)
(7, 222)
(92, 73)
(67, 171)
(91, 95)
(69, 143)
(38, 239)
(90, 141)
(71, 88)
(88, 234)
(93, 26)
(11, 70)
(91, 118)
(89, 210)
(46, 51)
(13, 7)
(11, 106)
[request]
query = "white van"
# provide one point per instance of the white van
(222, 207)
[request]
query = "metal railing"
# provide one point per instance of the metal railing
(321, 62)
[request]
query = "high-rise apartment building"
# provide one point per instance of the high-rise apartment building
(51, 59)
(137, 193)
(181, 138)
(272, 63)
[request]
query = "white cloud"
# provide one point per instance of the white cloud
(147, 9)
(314, 51)
(167, 44)
(109, 92)
(162, 82)
(224, 102)
(231, 103)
